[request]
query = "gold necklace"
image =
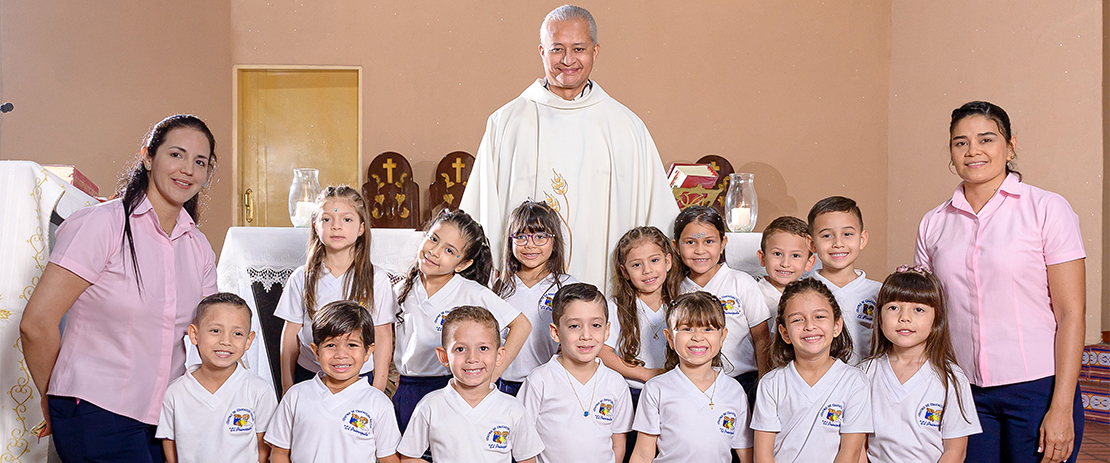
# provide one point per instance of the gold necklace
(710, 396)
(585, 410)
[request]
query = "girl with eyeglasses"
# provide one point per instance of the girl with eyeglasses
(533, 270)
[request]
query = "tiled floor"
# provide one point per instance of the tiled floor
(1096, 443)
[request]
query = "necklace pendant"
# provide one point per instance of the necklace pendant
(655, 336)
(586, 414)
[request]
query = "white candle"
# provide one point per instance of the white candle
(739, 219)
(303, 214)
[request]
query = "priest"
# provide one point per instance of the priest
(567, 142)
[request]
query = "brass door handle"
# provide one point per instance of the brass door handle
(248, 205)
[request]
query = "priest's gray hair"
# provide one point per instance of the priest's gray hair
(570, 13)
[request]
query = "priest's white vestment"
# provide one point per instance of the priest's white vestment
(591, 158)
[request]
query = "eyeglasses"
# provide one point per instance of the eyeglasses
(538, 239)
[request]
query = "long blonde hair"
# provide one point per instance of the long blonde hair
(625, 294)
(359, 284)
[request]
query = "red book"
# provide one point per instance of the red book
(75, 178)
(687, 175)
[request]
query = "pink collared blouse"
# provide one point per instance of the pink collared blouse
(994, 268)
(121, 346)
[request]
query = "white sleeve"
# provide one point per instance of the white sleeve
(165, 421)
(614, 326)
(751, 299)
(291, 305)
(744, 437)
(386, 434)
(766, 416)
(264, 409)
(385, 301)
(525, 442)
(960, 418)
(622, 423)
(279, 432)
(504, 312)
(647, 413)
(531, 396)
(857, 405)
(416, 440)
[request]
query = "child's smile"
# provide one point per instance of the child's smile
(581, 331)
(441, 252)
(472, 353)
(907, 324)
(700, 247)
(810, 327)
(646, 266)
(341, 359)
(223, 336)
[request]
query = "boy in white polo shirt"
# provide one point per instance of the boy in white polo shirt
(576, 400)
(836, 225)
(784, 252)
(470, 421)
(217, 411)
(335, 416)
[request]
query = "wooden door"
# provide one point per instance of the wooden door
(288, 118)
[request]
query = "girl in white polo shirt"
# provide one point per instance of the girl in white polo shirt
(533, 270)
(699, 233)
(451, 269)
(921, 400)
(812, 407)
(693, 413)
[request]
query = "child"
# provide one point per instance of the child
(916, 387)
(469, 421)
(336, 416)
(451, 269)
(338, 268)
(576, 400)
(812, 406)
(785, 252)
(693, 413)
(533, 270)
(700, 240)
(836, 225)
(217, 411)
(643, 287)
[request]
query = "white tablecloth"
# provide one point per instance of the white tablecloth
(30, 194)
(268, 255)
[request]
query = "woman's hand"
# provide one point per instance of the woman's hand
(1057, 434)
(1067, 288)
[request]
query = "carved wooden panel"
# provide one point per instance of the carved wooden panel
(450, 181)
(392, 196)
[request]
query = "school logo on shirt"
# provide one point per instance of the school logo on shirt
(603, 410)
(727, 423)
(731, 305)
(832, 415)
(498, 438)
(358, 422)
(929, 415)
(439, 319)
(545, 301)
(239, 421)
(865, 312)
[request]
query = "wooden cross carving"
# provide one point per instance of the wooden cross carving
(458, 165)
(389, 165)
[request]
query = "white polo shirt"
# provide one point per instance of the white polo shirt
(223, 426)
(571, 416)
(745, 310)
(653, 344)
(689, 429)
(419, 333)
(329, 288)
(857, 305)
(316, 425)
(912, 419)
(496, 431)
(809, 420)
(771, 296)
(534, 303)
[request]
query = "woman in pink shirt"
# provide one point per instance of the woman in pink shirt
(127, 275)
(1011, 258)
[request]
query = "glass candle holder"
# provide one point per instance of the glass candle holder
(302, 196)
(741, 205)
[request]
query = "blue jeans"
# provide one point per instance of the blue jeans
(1011, 418)
(85, 432)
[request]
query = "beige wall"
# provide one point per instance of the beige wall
(1039, 61)
(88, 81)
(797, 95)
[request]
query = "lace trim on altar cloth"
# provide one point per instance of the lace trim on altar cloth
(269, 276)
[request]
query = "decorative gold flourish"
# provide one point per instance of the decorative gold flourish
(401, 181)
(5, 313)
(22, 392)
(400, 198)
(447, 180)
(377, 180)
(405, 212)
(448, 197)
(559, 185)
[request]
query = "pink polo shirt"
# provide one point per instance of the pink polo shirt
(120, 348)
(994, 269)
